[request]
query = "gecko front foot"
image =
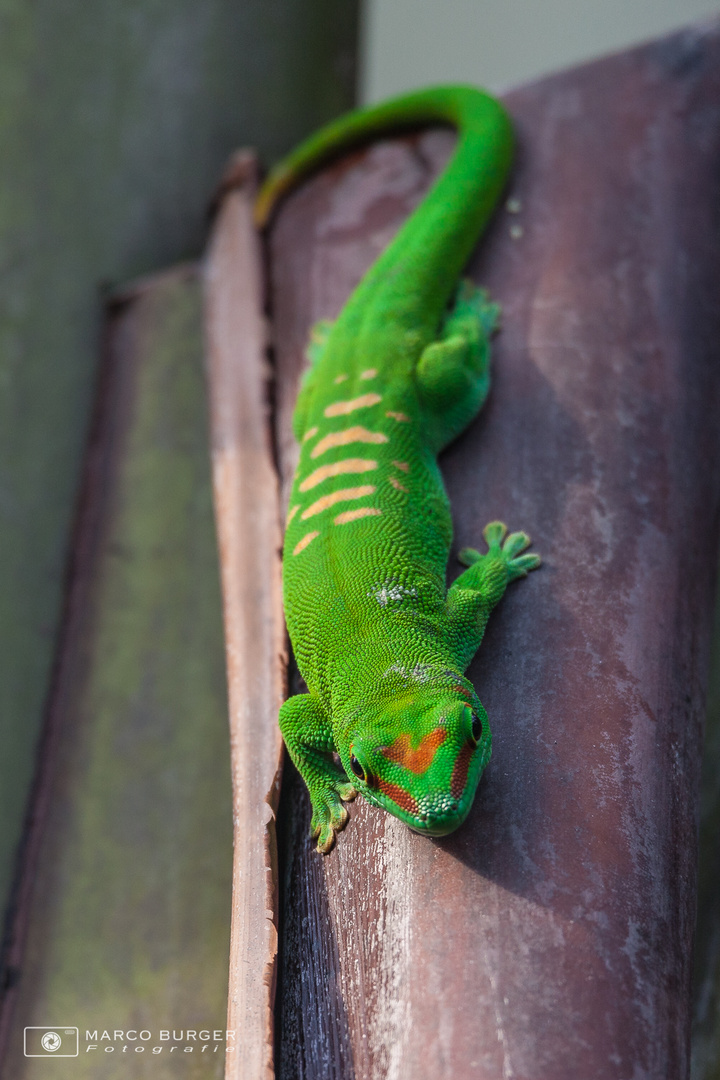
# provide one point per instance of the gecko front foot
(329, 814)
(506, 549)
(308, 736)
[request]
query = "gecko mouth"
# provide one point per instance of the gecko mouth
(438, 828)
(443, 811)
(441, 819)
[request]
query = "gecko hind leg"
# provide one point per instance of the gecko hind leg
(318, 340)
(313, 351)
(453, 373)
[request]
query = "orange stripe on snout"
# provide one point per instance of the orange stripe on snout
(460, 772)
(419, 758)
(399, 796)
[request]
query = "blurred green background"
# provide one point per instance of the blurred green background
(116, 118)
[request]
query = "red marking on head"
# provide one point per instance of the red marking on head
(460, 771)
(399, 796)
(466, 693)
(418, 759)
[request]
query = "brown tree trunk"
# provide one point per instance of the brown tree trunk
(551, 936)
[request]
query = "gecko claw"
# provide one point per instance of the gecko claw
(329, 814)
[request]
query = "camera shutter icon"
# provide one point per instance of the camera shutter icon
(56, 1041)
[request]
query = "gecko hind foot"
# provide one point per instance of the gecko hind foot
(469, 300)
(317, 341)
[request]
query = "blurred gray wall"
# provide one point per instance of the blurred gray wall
(116, 117)
(498, 43)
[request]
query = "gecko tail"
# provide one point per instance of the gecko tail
(463, 107)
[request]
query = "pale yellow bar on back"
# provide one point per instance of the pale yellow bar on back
(307, 539)
(344, 495)
(348, 465)
(353, 515)
(344, 438)
(342, 408)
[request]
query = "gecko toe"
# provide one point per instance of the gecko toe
(515, 543)
(494, 533)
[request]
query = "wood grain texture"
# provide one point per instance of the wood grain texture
(551, 936)
(248, 521)
(124, 908)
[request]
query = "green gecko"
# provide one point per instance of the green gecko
(380, 640)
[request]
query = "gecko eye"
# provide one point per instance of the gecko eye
(476, 728)
(357, 767)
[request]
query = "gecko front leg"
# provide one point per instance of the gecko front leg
(472, 597)
(309, 739)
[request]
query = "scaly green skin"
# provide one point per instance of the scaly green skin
(380, 641)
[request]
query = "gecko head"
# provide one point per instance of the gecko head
(420, 756)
